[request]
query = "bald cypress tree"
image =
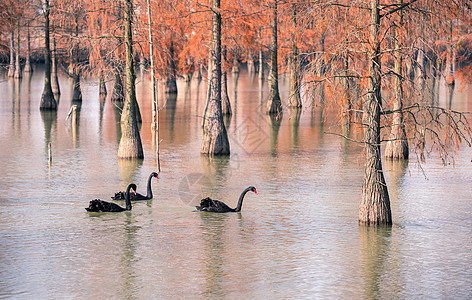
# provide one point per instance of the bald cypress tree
(47, 98)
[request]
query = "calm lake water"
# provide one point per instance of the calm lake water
(298, 238)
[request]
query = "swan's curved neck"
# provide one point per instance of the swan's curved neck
(149, 189)
(241, 198)
(128, 198)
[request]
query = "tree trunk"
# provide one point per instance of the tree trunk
(347, 93)
(397, 146)
(130, 142)
(54, 80)
(261, 61)
(250, 63)
(294, 99)
(103, 87)
(76, 90)
(235, 69)
(11, 68)
(17, 62)
(118, 94)
(374, 208)
(155, 106)
(215, 138)
(450, 61)
(171, 82)
(47, 98)
(225, 104)
(274, 105)
(321, 68)
(28, 68)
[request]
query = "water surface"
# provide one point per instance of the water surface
(298, 238)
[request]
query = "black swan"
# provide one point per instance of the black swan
(121, 195)
(211, 205)
(98, 205)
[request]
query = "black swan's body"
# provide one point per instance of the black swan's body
(134, 197)
(98, 205)
(210, 205)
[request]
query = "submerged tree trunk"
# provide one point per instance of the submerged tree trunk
(397, 146)
(76, 90)
(47, 98)
(250, 63)
(294, 99)
(235, 69)
(274, 105)
(28, 67)
(11, 68)
(374, 208)
(54, 80)
(171, 82)
(225, 104)
(130, 142)
(17, 61)
(215, 138)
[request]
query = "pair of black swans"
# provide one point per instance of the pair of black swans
(206, 204)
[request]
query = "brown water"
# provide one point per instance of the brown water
(298, 238)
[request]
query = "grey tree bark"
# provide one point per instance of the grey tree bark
(171, 81)
(76, 89)
(374, 208)
(274, 104)
(11, 68)
(215, 138)
(54, 80)
(294, 99)
(130, 143)
(155, 104)
(47, 98)
(225, 104)
(397, 146)
(17, 61)
(28, 67)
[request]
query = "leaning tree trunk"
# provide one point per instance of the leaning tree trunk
(397, 146)
(28, 68)
(17, 62)
(47, 98)
(215, 138)
(274, 105)
(130, 142)
(54, 80)
(11, 68)
(171, 82)
(294, 99)
(225, 104)
(374, 208)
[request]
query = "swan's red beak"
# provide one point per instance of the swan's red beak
(134, 192)
(255, 192)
